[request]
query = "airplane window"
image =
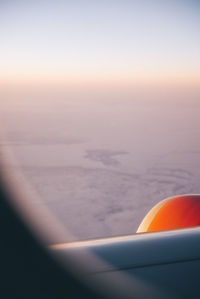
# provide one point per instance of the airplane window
(100, 107)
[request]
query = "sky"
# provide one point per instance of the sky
(101, 41)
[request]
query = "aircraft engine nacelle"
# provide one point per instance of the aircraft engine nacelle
(173, 212)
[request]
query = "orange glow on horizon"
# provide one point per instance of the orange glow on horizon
(150, 79)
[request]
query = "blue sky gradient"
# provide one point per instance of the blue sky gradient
(128, 40)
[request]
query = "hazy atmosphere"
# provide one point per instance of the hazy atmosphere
(100, 106)
(101, 163)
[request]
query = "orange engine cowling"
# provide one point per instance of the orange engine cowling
(173, 212)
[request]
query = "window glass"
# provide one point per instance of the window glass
(100, 106)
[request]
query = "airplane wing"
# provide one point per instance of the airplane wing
(150, 265)
(162, 264)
